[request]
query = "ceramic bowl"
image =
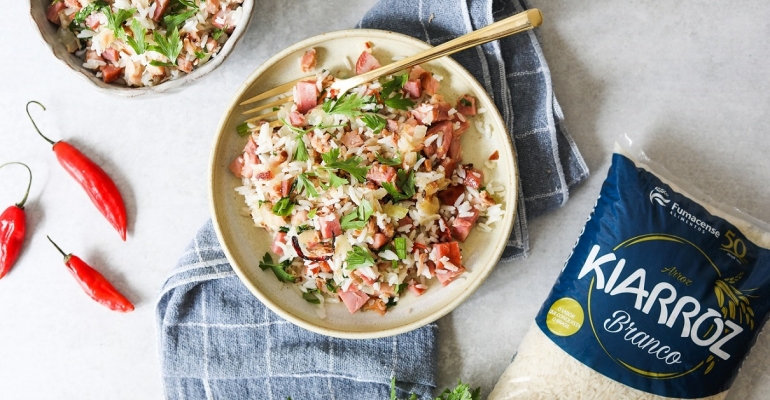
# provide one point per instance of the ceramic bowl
(245, 244)
(47, 31)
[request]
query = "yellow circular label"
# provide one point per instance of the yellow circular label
(565, 317)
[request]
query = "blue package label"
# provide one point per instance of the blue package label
(658, 293)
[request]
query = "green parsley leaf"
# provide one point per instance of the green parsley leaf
(170, 46)
(405, 183)
(278, 269)
(80, 16)
(461, 392)
(138, 42)
(283, 207)
(243, 129)
(187, 3)
(375, 122)
(358, 218)
(396, 83)
(200, 55)
(465, 102)
(309, 296)
(312, 213)
(352, 165)
(359, 257)
(336, 181)
(157, 63)
(398, 102)
(400, 244)
(173, 21)
(349, 105)
(401, 287)
(217, 33)
(389, 161)
(304, 227)
(301, 154)
(116, 19)
(331, 286)
(304, 182)
(393, 388)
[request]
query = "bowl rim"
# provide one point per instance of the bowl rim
(339, 333)
(168, 86)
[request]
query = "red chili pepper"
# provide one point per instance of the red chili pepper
(13, 224)
(95, 284)
(100, 188)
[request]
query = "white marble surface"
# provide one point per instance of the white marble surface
(689, 81)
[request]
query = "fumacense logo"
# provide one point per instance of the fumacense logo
(660, 196)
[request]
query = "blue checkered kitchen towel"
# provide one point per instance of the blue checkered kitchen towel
(217, 341)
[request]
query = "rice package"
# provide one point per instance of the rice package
(663, 296)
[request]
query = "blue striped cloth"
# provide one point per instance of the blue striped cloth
(217, 341)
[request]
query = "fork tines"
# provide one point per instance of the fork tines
(284, 89)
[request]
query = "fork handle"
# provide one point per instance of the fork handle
(520, 22)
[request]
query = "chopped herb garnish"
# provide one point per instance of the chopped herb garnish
(200, 55)
(401, 287)
(352, 165)
(394, 84)
(398, 102)
(358, 218)
(283, 207)
(278, 269)
(310, 297)
(312, 213)
(331, 286)
(80, 16)
(483, 188)
(138, 42)
(349, 105)
(169, 46)
(405, 183)
(304, 182)
(375, 122)
(336, 181)
(465, 102)
(391, 302)
(115, 20)
(400, 245)
(173, 21)
(217, 33)
(303, 228)
(359, 257)
(301, 154)
(389, 161)
(283, 229)
(243, 129)
(394, 264)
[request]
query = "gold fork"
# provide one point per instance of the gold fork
(520, 22)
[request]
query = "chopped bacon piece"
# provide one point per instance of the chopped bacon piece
(251, 147)
(379, 240)
(352, 139)
(299, 218)
(184, 65)
(455, 151)
(308, 60)
(414, 289)
(92, 21)
(473, 177)
(330, 228)
(236, 167)
(224, 20)
(160, 9)
(72, 4)
(405, 221)
(444, 129)
(462, 226)
(306, 96)
(442, 108)
(429, 84)
(494, 156)
(413, 88)
(416, 72)
(451, 250)
(286, 186)
(447, 277)
(297, 119)
(111, 54)
(212, 6)
(366, 62)
(110, 73)
(52, 12)
(466, 105)
(446, 234)
(280, 237)
(381, 173)
(425, 114)
(392, 125)
(464, 125)
(450, 195)
(264, 176)
(449, 165)
(248, 161)
(353, 299)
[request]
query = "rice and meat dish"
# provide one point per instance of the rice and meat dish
(366, 194)
(144, 42)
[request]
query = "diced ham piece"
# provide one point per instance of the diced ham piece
(184, 65)
(366, 62)
(264, 175)
(248, 161)
(379, 240)
(414, 289)
(92, 21)
(462, 226)
(297, 119)
(52, 12)
(444, 129)
(446, 234)
(413, 88)
(280, 237)
(449, 165)
(236, 167)
(330, 228)
(111, 54)
(306, 96)
(353, 299)
(466, 105)
(405, 221)
(308, 60)
(473, 177)
(212, 6)
(447, 277)
(224, 20)
(160, 9)
(416, 72)
(392, 125)
(442, 108)
(110, 73)
(381, 173)
(450, 195)
(429, 84)
(425, 114)
(72, 4)
(455, 150)
(286, 186)
(450, 250)
(352, 139)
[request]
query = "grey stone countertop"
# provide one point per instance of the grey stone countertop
(688, 80)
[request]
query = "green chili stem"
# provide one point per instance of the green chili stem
(33, 121)
(29, 184)
(57, 247)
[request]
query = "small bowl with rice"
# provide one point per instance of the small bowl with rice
(137, 47)
(360, 238)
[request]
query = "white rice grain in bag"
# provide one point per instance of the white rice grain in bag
(662, 297)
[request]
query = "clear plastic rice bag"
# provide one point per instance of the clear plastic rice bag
(663, 296)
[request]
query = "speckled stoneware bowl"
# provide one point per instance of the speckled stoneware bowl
(47, 32)
(245, 244)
